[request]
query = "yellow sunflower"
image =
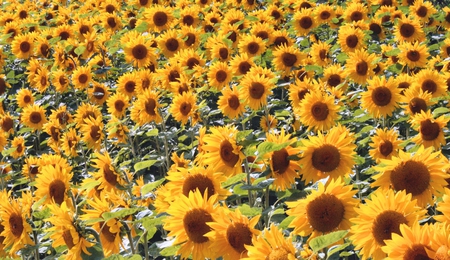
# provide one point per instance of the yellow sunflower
(287, 58)
(69, 142)
(7, 123)
(411, 243)
(34, 117)
(422, 174)
(268, 123)
(98, 93)
(281, 37)
(81, 77)
(230, 103)
(440, 240)
(422, 10)
(40, 80)
(252, 45)
(385, 144)
(351, 38)
(241, 64)
(381, 98)
(159, 17)
(318, 111)
(221, 151)
(22, 45)
(254, 89)
(139, 52)
(304, 21)
(297, 92)
(271, 244)
(408, 29)
(188, 224)
(413, 55)
(60, 80)
(283, 169)
(320, 53)
(219, 75)
(16, 229)
(24, 97)
(431, 81)
(220, 51)
(169, 42)
(379, 218)
(430, 130)
(146, 108)
(360, 66)
(416, 101)
(92, 132)
(117, 105)
(327, 155)
(106, 172)
(117, 131)
(264, 30)
(84, 111)
(443, 207)
(327, 209)
(183, 107)
(61, 115)
(231, 233)
(53, 182)
(355, 11)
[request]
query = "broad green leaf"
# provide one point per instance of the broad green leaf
(45, 213)
(267, 147)
(243, 134)
(153, 132)
(338, 248)
(79, 50)
(149, 187)
(121, 213)
(134, 257)
(342, 57)
(115, 257)
(248, 211)
(233, 180)
(285, 223)
(38, 203)
(393, 52)
(170, 251)
(142, 27)
(93, 221)
(90, 185)
(259, 186)
(321, 242)
(440, 110)
(315, 68)
(144, 164)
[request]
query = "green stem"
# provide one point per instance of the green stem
(145, 244)
(130, 238)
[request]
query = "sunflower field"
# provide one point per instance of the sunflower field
(228, 129)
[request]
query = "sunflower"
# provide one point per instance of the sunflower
(324, 13)
(53, 182)
(219, 50)
(117, 105)
(231, 233)
(268, 123)
(41, 79)
(183, 180)
(53, 129)
(429, 80)
(110, 235)
(69, 142)
(381, 97)
(92, 132)
(24, 97)
(190, 36)
(286, 58)
(360, 66)
(117, 131)
(281, 37)
(159, 17)
(139, 52)
(183, 107)
(111, 22)
(61, 116)
(12, 28)
(320, 53)
(264, 31)
(189, 16)
(192, 59)
(411, 243)
(379, 218)
(408, 29)
(351, 38)
(440, 240)
(423, 10)
(34, 117)
(221, 151)
(30, 168)
(421, 174)
(376, 26)
(126, 83)
(430, 130)
(106, 172)
(241, 64)
(219, 75)
(297, 92)
(254, 89)
(81, 77)
(252, 45)
(283, 169)
(7, 123)
(385, 144)
(318, 111)
(98, 93)
(327, 155)
(146, 108)
(146, 80)
(413, 55)
(169, 42)
(22, 45)
(84, 111)
(16, 230)
(170, 73)
(188, 224)
(60, 80)
(64, 231)
(327, 209)
(355, 12)
(443, 208)
(416, 101)
(304, 21)
(230, 103)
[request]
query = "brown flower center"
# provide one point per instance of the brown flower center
(227, 154)
(83, 78)
(185, 108)
(256, 90)
(244, 67)
(57, 190)
(253, 48)
(7, 124)
(119, 105)
(130, 86)
(411, 176)
(64, 35)
(68, 239)
(305, 22)
(35, 117)
(280, 161)
(190, 39)
(288, 59)
(385, 224)
(110, 9)
(200, 182)
(223, 53)
(351, 41)
(280, 40)
(375, 28)
(150, 107)
(416, 251)
(221, 76)
(407, 30)
(417, 105)
(262, 34)
(323, 54)
(319, 111)
(386, 148)
(16, 224)
(107, 234)
(326, 158)
(356, 16)
(324, 15)
(233, 102)
(109, 175)
(239, 235)
(422, 11)
(413, 55)
(139, 51)
(44, 50)
(172, 44)
(63, 117)
(25, 46)
(43, 80)
(192, 62)
(334, 80)
(174, 75)
(362, 68)
(429, 130)
(429, 85)
(188, 20)
(195, 225)
(84, 29)
(160, 18)
(381, 96)
(325, 212)
(95, 132)
(111, 21)
(62, 80)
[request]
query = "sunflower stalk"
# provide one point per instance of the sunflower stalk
(130, 238)
(145, 244)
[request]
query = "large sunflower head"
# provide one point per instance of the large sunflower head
(325, 210)
(431, 81)
(118, 104)
(34, 117)
(230, 103)
(106, 172)
(304, 21)
(430, 130)
(351, 38)
(327, 155)
(421, 173)
(24, 97)
(169, 42)
(241, 64)
(252, 45)
(381, 97)
(22, 45)
(287, 58)
(53, 183)
(184, 107)
(385, 144)
(159, 17)
(219, 75)
(255, 88)
(318, 111)
(408, 29)
(413, 55)
(92, 132)
(416, 101)
(139, 51)
(379, 218)
(146, 108)
(360, 66)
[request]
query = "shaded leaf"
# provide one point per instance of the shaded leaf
(321, 242)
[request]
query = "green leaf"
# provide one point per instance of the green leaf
(153, 132)
(336, 249)
(79, 50)
(93, 221)
(43, 214)
(38, 203)
(233, 180)
(170, 251)
(440, 110)
(115, 257)
(142, 27)
(317, 69)
(8, 151)
(321, 242)
(342, 57)
(144, 164)
(259, 186)
(243, 134)
(90, 185)
(248, 211)
(121, 213)
(285, 223)
(267, 147)
(149, 187)
(393, 52)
